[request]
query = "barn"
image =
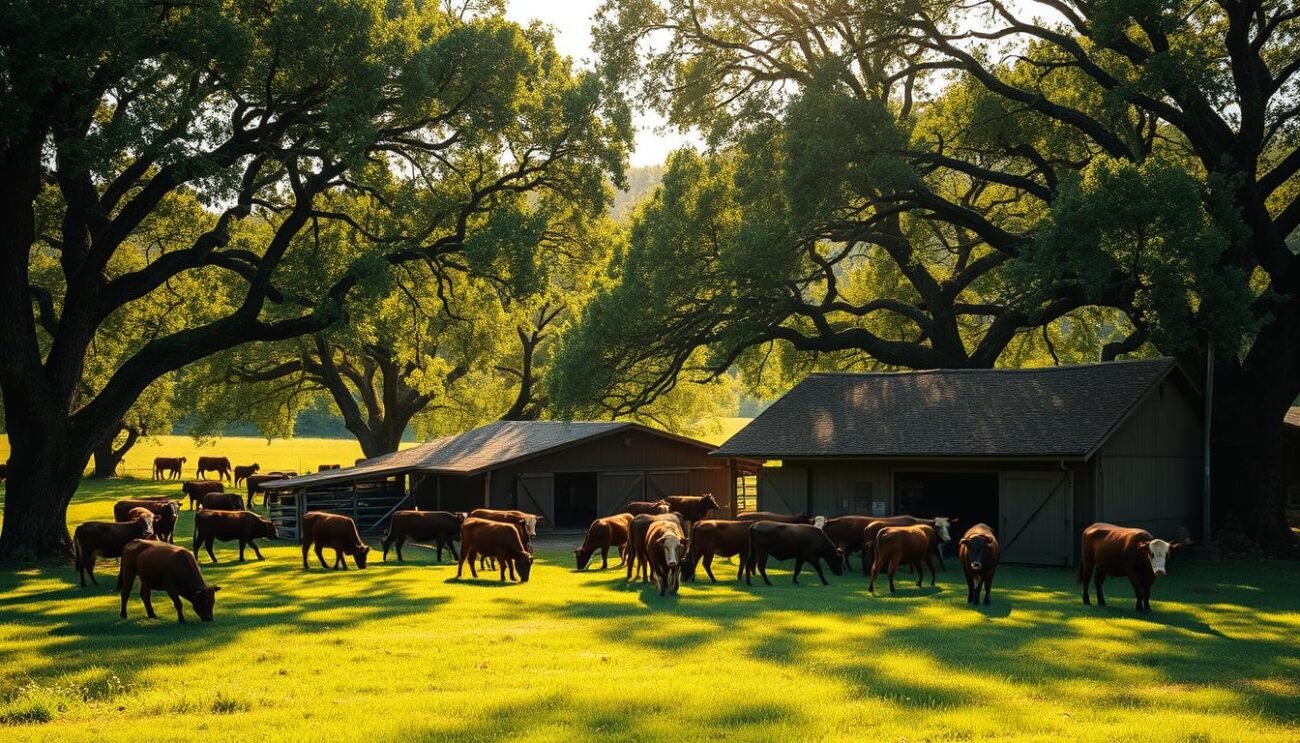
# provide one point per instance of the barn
(1035, 453)
(567, 472)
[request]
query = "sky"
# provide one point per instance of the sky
(572, 21)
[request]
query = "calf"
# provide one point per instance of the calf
(692, 507)
(169, 568)
(717, 537)
(219, 465)
(940, 525)
(979, 552)
(166, 514)
(636, 534)
(243, 471)
(105, 539)
(169, 465)
(650, 508)
(498, 540)
(894, 545)
(255, 485)
(780, 518)
(336, 532)
(441, 528)
(803, 542)
(665, 546)
(610, 531)
(196, 489)
(227, 526)
(1111, 550)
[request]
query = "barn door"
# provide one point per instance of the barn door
(614, 490)
(783, 490)
(1035, 517)
(663, 484)
(535, 493)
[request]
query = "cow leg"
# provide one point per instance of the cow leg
(503, 570)
(867, 559)
(460, 564)
(893, 568)
(1138, 591)
(125, 580)
(145, 597)
(340, 561)
(604, 557)
(988, 586)
(972, 590)
(875, 570)
(708, 567)
(207, 544)
(451, 545)
(919, 567)
(930, 562)
(90, 569)
(762, 567)
(798, 565)
(306, 544)
(320, 555)
(256, 551)
(622, 554)
(817, 565)
(176, 602)
(1101, 578)
(472, 571)
(510, 565)
(1085, 577)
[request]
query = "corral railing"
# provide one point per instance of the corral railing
(370, 504)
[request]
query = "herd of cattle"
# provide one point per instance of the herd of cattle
(664, 541)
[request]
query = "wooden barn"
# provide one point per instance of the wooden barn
(567, 472)
(1035, 453)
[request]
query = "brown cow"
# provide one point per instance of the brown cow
(196, 489)
(847, 532)
(222, 501)
(140, 512)
(780, 518)
(226, 526)
(166, 512)
(803, 542)
(717, 537)
(979, 552)
(243, 471)
(170, 465)
(167, 567)
(525, 522)
(637, 560)
(439, 527)
(894, 545)
(1116, 550)
(649, 508)
(105, 539)
(610, 531)
(255, 483)
(219, 465)
(692, 507)
(335, 531)
(665, 546)
(498, 540)
(940, 525)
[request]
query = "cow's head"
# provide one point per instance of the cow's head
(661, 506)
(583, 556)
(709, 502)
(265, 527)
(530, 525)
(674, 549)
(524, 566)
(254, 467)
(1158, 551)
(204, 599)
(360, 556)
(184, 460)
(836, 561)
(977, 550)
(145, 525)
(941, 525)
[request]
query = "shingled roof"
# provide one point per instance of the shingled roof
(487, 447)
(1065, 412)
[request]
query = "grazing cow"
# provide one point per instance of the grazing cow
(226, 526)
(166, 513)
(498, 540)
(140, 512)
(105, 539)
(650, 508)
(940, 525)
(525, 522)
(610, 531)
(196, 489)
(170, 465)
(336, 532)
(895, 545)
(803, 542)
(219, 465)
(848, 533)
(636, 532)
(665, 547)
(979, 552)
(716, 537)
(441, 528)
(780, 518)
(169, 568)
(243, 471)
(255, 485)
(1114, 551)
(692, 507)
(222, 501)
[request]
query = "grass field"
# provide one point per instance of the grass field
(403, 652)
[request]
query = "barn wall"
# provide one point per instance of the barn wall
(454, 494)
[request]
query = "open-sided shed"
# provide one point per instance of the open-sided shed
(1035, 453)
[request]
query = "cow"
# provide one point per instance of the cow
(716, 537)
(140, 512)
(169, 568)
(170, 465)
(222, 501)
(227, 526)
(692, 507)
(219, 465)
(979, 552)
(940, 525)
(105, 539)
(166, 513)
(496, 539)
(803, 542)
(895, 545)
(254, 484)
(243, 471)
(610, 531)
(665, 547)
(780, 518)
(525, 522)
(1110, 550)
(196, 489)
(650, 508)
(636, 531)
(336, 532)
(848, 533)
(441, 528)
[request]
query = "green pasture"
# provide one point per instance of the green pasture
(404, 652)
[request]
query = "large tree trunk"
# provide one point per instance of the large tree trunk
(108, 458)
(43, 476)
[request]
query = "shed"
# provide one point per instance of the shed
(1035, 453)
(566, 472)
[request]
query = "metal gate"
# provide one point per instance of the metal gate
(1035, 510)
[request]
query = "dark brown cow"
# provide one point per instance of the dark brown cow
(525, 522)
(169, 568)
(649, 508)
(441, 528)
(196, 489)
(243, 471)
(219, 465)
(895, 545)
(104, 539)
(692, 507)
(665, 547)
(802, 542)
(848, 533)
(170, 465)
(140, 512)
(1113, 551)
(636, 555)
(610, 531)
(717, 537)
(939, 524)
(336, 532)
(255, 483)
(227, 526)
(166, 511)
(979, 552)
(222, 501)
(498, 540)
(780, 518)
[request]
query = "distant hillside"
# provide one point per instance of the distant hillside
(641, 182)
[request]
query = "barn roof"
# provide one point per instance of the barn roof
(484, 448)
(1058, 412)
(1292, 418)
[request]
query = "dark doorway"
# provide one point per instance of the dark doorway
(969, 497)
(575, 499)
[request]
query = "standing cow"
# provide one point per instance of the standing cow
(716, 537)
(219, 465)
(910, 545)
(650, 508)
(495, 539)
(611, 531)
(166, 513)
(1111, 550)
(256, 484)
(665, 546)
(196, 489)
(802, 542)
(169, 465)
(167, 567)
(243, 471)
(637, 559)
(780, 518)
(441, 528)
(336, 532)
(212, 524)
(979, 552)
(105, 539)
(692, 507)
(939, 524)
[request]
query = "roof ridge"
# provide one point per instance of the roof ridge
(995, 370)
